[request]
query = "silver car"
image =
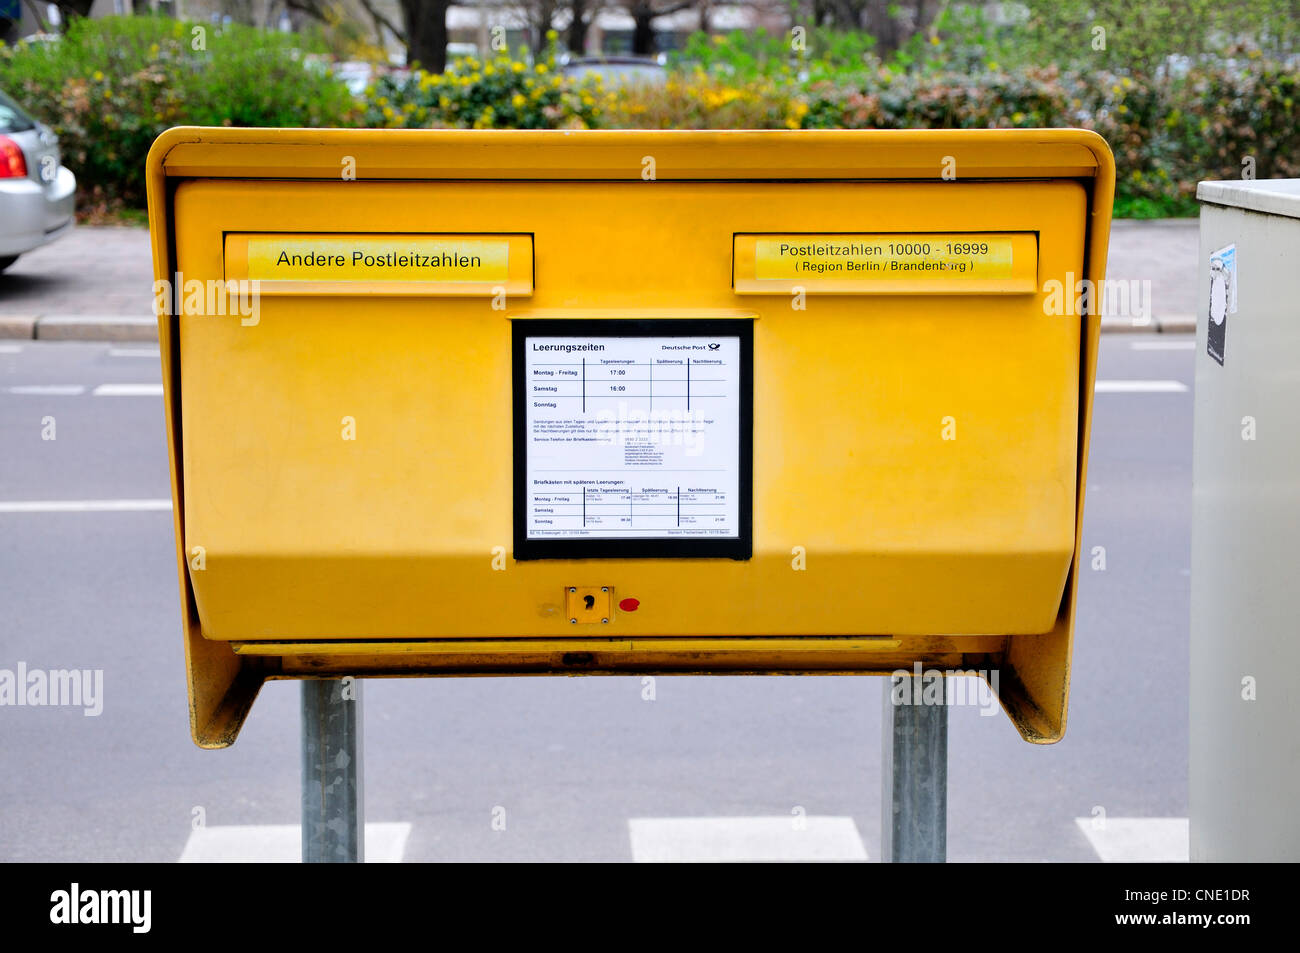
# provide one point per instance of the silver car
(37, 194)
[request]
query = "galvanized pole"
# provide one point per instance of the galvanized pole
(333, 815)
(914, 774)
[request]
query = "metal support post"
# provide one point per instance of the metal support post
(914, 773)
(333, 815)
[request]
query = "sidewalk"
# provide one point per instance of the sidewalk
(96, 284)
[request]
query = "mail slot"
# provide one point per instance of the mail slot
(503, 404)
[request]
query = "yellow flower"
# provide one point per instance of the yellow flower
(98, 76)
(516, 67)
(934, 40)
(489, 70)
(541, 67)
(518, 100)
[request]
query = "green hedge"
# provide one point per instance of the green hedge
(110, 86)
(1167, 133)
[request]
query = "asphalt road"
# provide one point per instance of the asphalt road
(571, 760)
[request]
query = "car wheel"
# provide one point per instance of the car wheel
(5, 262)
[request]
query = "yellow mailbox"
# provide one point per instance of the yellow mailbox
(461, 403)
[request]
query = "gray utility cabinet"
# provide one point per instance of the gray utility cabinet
(1245, 626)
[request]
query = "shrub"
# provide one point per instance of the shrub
(1167, 132)
(501, 93)
(742, 57)
(704, 102)
(109, 87)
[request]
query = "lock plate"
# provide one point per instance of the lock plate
(585, 605)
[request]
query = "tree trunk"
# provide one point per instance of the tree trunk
(643, 34)
(546, 10)
(426, 33)
(576, 35)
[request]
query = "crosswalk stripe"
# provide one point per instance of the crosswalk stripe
(47, 390)
(1163, 345)
(700, 839)
(132, 352)
(82, 506)
(1137, 840)
(127, 390)
(1141, 387)
(282, 844)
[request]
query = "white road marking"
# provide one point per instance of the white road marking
(697, 839)
(1141, 387)
(82, 506)
(282, 844)
(1138, 840)
(10, 348)
(132, 352)
(1163, 345)
(47, 390)
(127, 390)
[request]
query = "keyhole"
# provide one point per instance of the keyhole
(590, 601)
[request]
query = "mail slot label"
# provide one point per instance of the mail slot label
(378, 258)
(382, 263)
(902, 262)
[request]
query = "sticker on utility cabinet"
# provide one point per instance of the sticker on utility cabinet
(1223, 299)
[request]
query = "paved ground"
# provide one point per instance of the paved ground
(573, 762)
(1161, 252)
(109, 271)
(91, 271)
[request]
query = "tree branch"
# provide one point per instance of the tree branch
(381, 20)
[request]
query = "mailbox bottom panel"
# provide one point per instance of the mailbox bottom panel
(1028, 675)
(808, 594)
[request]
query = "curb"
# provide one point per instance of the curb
(77, 327)
(18, 326)
(87, 327)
